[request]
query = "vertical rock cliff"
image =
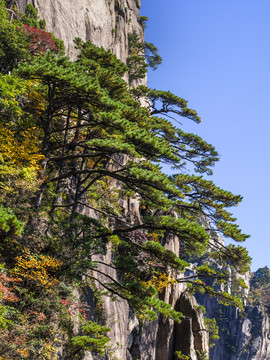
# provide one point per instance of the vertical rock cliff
(243, 335)
(106, 23)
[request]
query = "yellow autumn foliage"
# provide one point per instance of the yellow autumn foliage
(39, 270)
(36, 102)
(154, 236)
(160, 281)
(19, 159)
(49, 352)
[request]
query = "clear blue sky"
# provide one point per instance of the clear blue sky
(216, 55)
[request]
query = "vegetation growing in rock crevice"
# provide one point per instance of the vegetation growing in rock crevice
(260, 288)
(83, 141)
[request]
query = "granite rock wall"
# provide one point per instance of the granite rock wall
(106, 23)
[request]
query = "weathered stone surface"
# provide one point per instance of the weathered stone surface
(105, 22)
(243, 335)
(190, 334)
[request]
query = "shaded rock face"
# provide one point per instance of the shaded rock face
(190, 335)
(247, 336)
(243, 335)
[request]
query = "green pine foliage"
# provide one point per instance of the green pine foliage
(9, 222)
(181, 356)
(95, 339)
(202, 355)
(143, 21)
(30, 17)
(13, 44)
(212, 328)
(141, 55)
(90, 144)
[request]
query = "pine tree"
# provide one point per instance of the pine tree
(91, 143)
(91, 118)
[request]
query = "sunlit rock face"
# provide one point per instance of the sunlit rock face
(105, 22)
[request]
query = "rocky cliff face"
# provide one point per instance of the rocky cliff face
(107, 23)
(243, 335)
